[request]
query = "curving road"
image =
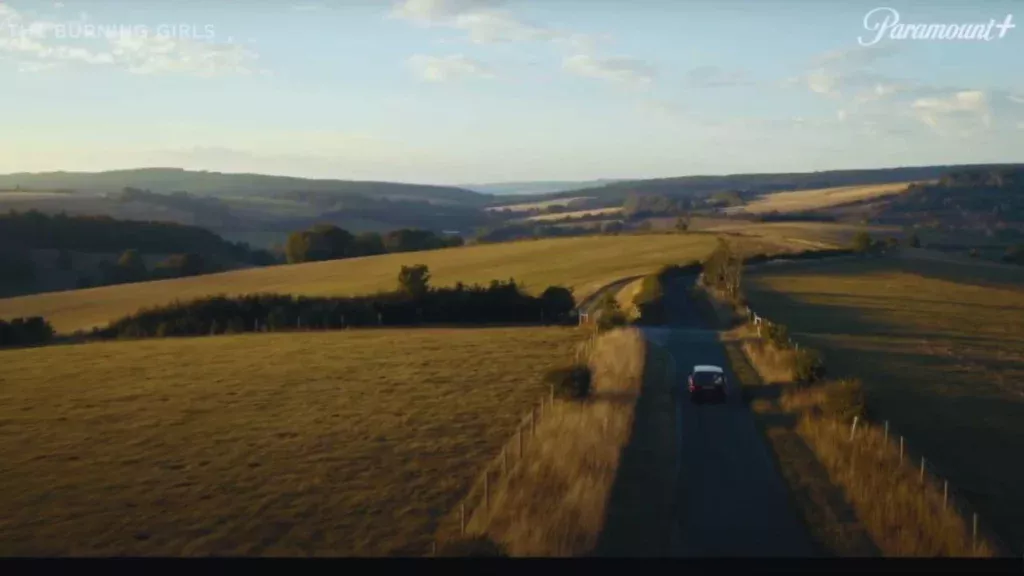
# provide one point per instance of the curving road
(731, 499)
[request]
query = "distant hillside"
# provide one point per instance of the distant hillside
(753, 184)
(167, 180)
(532, 188)
(989, 199)
(39, 252)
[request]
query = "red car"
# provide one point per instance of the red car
(707, 382)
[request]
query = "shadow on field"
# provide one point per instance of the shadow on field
(1004, 276)
(640, 506)
(962, 412)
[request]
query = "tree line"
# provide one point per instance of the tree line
(34, 230)
(329, 242)
(413, 302)
(25, 332)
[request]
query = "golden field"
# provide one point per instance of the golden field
(805, 200)
(582, 263)
(939, 347)
(526, 206)
(576, 214)
(317, 443)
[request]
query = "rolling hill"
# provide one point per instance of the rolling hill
(756, 184)
(168, 180)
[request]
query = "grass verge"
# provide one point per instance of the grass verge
(888, 508)
(581, 488)
(939, 348)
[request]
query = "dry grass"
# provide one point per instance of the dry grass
(806, 234)
(583, 263)
(940, 349)
(577, 214)
(523, 207)
(565, 497)
(906, 515)
(624, 297)
(774, 365)
(336, 443)
(805, 200)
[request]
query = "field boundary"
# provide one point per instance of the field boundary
(456, 524)
(981, 530)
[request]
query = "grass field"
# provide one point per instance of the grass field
(820, 234)
(525, 206)
(805, 200)
(583, 263)
(577, 214)
(341, 443)
(940, 348)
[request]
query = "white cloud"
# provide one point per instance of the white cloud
(1020, 125)
(438, 11)
(967, 103)
(823, 82)
(714, 76)
(615, 69)
(35, 45)
(35, 67)
(1015, 98)
(444, 68)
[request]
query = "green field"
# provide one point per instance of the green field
(340, 443)
(940, 347)
(583, 263)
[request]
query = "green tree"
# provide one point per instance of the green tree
(368, 244)
(862, 241)
(414, 280)
(683, 223)
(63, 260)
(557, 302)
(131, 265)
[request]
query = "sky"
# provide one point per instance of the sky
(474, 91)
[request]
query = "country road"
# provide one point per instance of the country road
(731, 499)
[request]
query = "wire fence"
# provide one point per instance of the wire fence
(929, 472)
(481, 493)
(480, 496)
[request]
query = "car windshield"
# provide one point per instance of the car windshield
(706, 378)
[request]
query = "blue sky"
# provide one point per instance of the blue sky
(468, 91)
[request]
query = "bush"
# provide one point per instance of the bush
(478, 546)
(777, 334)
(570, 382)
(808, 365)
(844, 399)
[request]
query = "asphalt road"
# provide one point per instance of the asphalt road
(732, 502)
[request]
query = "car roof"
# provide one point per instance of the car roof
(707, 368)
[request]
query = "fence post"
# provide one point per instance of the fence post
(945, 493)
(552, 394)
(901, 449)
(487, 490)
(886, 442)
(922, 469)
(533, 423)
(519, 436)
(504, 461)
(974, 534)
(462, 518)
(853, 429)
(433, 548)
